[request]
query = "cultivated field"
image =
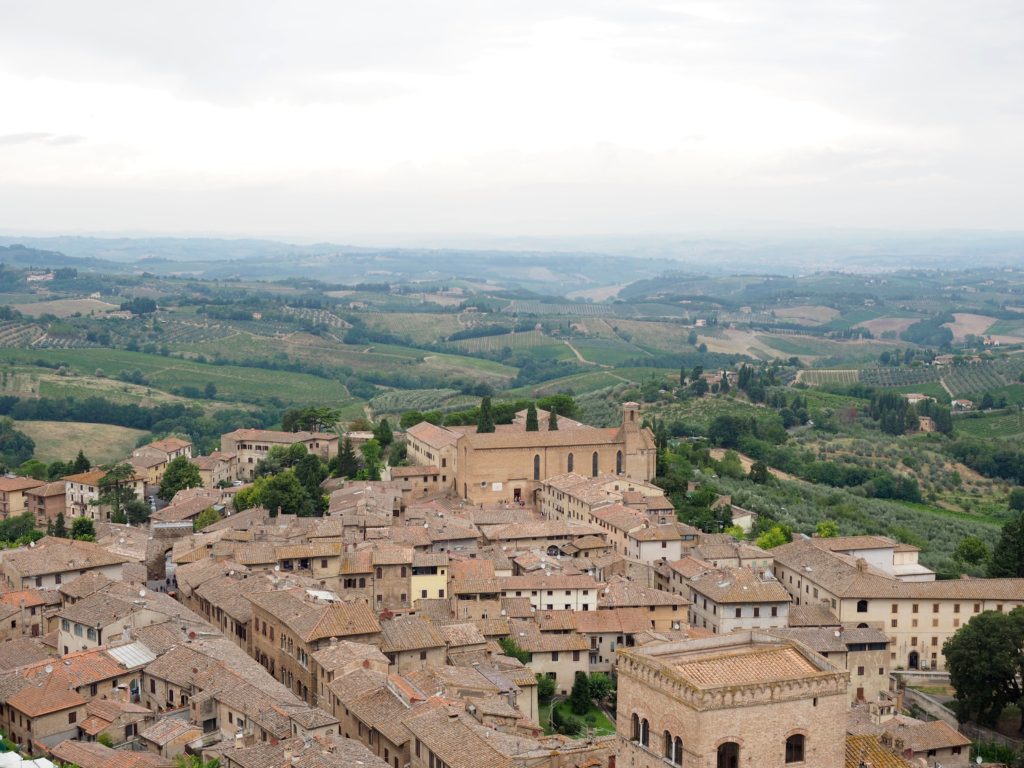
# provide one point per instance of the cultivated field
(881, 325)
(65, 307)
(61, 440)
(807, 315)
(817, 378)
(969, 325)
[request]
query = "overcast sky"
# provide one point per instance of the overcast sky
(379, 120)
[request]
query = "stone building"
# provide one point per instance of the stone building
(745, 699)
(252, 445)
(511, 464)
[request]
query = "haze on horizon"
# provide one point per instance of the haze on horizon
(350, 121)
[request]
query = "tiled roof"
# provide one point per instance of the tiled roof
(471, 568)
(168, 729)
(275, 436)
(19, 651)
(432, 435)
(528, 636)
(843, 576)
(620, 593)
(52, 693)
(415, 471)
(831, 639)
(98, 609)
(812, 615)
(343, 652)
(407, 633)
(554, 581)
(85, 585)
(28, 598)
(517, 607)
(738, 585)
(613, 620)
(461, 634)
(847, 543)
(8, 484)
(866, 750)
(754, 665)
(95, 755)
(53, 555)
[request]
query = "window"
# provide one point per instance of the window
(569, 463)
(895, 608)
(554, 655)
(403, 572)
(894, 622)
(673, 749)
(913, 608)
(795, 748)
(757, 613)
(536, 466)
(618, 462)
(423, 655)
(636, 727)
(729, 755)
(739, 612)
(645, 733)
(935, 607)
(72, 717)
(862, 606)
(593, 464)
(860, 671)
(379, 572)
(323, 562)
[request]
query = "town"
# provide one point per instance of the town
(517, 594)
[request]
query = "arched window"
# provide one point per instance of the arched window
(593, 464)
(618, 462)
(795, 748)
(379, 573)
(536, 467)
(862, 625)
(728, 755)
(862, 606)
(636, 727)
(677, 758)
(568, 463)
(645, 733)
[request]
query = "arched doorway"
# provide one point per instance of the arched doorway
(914, 662)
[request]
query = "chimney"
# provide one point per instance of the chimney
(287, 756)
(239, 740)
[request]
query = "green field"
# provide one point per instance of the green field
(608, 351)
(61, 440)
(167, 373)
(998, 425)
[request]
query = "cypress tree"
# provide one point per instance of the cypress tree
(486, 421)
(531, 419)
(82, 464)
(553, 419)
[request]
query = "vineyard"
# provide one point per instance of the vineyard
(18, 335)
(46, 341)
(317, 317)
(817, 378)
(1002, 424)
(523, 340)
(538, 308)
(899, 377)
(400, 401)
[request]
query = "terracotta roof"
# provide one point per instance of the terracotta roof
(528, 636)
(19, 651)
(738, 585)
(415, 471)
(620, 593)
(866, 750)
(454, 742)
(53, 555)
(276, 436)
(85, 585)
(842, 576)
(56, 488)
(847, 543)
(432, 435)
(812, 615)
(343, 653)
(407, 633)
(613, 620)
(95, 755)
(170, 444)
(540, 581)
(753, 666)
(517, 607)
(29, 598)
(51, 694)
(8, 484)
(168, 729)
(461, 634)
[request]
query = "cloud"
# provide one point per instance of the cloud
(39, 137)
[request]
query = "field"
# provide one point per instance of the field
(65, 307)
(61, 440)
(815, 378)
(881, 325)
(998, 424)
(489, 344)
(607, 351)
(969, 325)
(169, 373)
(807, 315)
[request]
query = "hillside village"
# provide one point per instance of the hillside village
(456, 613)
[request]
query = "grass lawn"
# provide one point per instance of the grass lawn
(61, 440)
(601, 724)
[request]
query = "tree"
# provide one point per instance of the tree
(179, 474)
(382, 433)
(345, 463)
(1016, 500)
(116, 488)
(553, 420)
(759, 473)
(531, 418)
(579, 697)
(397, 454)
(136, 511)
(60, 528)
(371, 459)
(82, 464)
(827, 529)
(284, 493)
(485, 423)
(775, 536)
(985, 662)
(511, 649)
(1008, 556)
(82, 529)
(207, 517)
(310, 472)
(601, 686)
(545, 686)
(971, 551)
(210, 391)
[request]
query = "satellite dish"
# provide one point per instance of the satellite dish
(277, 567)
(48, 668)
(32, 544)
(142, 593)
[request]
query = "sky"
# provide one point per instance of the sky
(391, 121)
